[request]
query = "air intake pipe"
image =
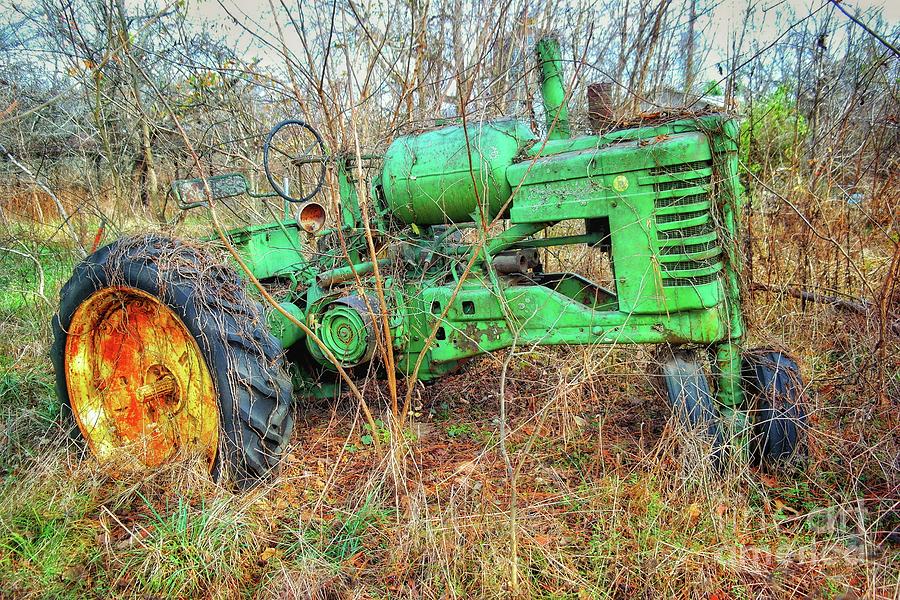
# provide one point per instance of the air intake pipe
(553, 91)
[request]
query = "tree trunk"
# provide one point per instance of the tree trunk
(689, 53)
(146, 166)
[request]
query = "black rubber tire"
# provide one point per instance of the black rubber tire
(683, 382)
(245, 360)
(773, 381)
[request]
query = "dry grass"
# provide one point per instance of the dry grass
(611, 499)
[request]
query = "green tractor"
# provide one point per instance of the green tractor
(160, 350)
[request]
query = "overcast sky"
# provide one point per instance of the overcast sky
(728, 14)
(718, 27)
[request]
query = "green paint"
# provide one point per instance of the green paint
(662, 200)
(285, 329)
(442, 175)
(553, 91)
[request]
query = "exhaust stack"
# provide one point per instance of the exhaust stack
(553, 92)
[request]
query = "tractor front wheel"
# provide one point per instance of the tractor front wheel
(773, 381)
(685, 386)
(159, 352)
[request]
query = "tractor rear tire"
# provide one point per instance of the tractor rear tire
(684, 384)
(773, 381)
(243, 362)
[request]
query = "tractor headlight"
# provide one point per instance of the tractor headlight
(311, 217)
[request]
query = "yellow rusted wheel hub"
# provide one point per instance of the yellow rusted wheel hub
(137, 381)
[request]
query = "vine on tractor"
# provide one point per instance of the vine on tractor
(160, 350)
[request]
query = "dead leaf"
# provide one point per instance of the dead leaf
(693, 513)
(268, 554)
(768, 480)
(74, 572)
(779, 505)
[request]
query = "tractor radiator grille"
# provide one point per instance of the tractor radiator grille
(680, 200)
(686, 265)
(678, 184)
(676, 217)
(689, 255)
(689, 248)
(694, 281)
(681, 167)
(685, 233)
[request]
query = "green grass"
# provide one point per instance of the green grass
(348, 534)
(21, 276)
(182, 549)
(46, 540)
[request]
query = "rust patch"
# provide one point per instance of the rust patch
(137, 381)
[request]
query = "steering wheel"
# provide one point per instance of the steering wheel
(292, 145)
